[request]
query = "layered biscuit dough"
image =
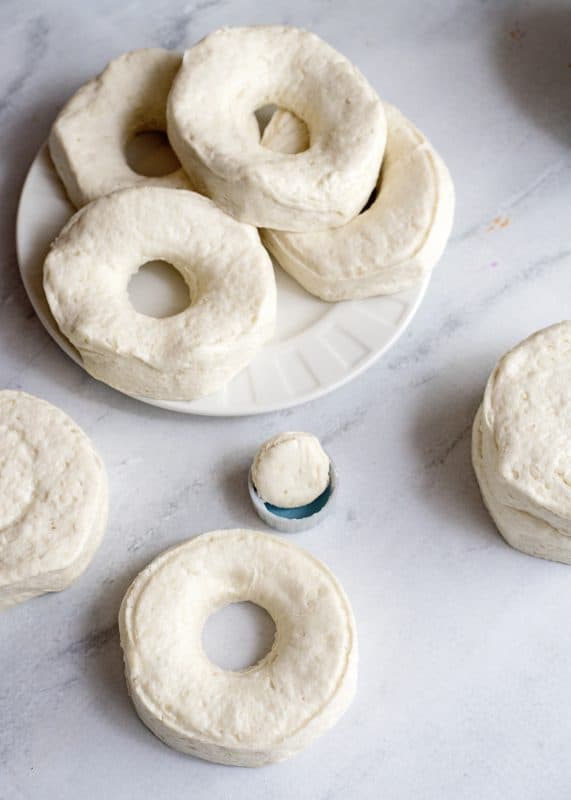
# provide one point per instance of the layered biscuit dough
(233, 72)
(291, 469)
(182, 357)
(392, 244)
(53, 498)
(270, 711)
(88, 139)
(522, 441)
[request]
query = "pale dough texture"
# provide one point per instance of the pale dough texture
(291, 469)
(88, 139)
(182, 357)
(259, 715)
(395, 242)
(522, 443)
(233, 72)
(53, 498)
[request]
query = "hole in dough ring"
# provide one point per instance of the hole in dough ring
(391, 245)
(53, 499)
(88, 139)
(267, 712)
(233, 72)
(181, 357)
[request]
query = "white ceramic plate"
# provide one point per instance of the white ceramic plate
(318, 346)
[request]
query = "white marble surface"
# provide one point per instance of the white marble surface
(465, 644)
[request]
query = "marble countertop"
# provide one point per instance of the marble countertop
(465, 644)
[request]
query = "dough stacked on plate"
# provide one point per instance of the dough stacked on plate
(192, 353)
(233, 72)
(308, 184)
(522, 444)
(394, 242)
(87, 140)
(53, 499)
(304, 184)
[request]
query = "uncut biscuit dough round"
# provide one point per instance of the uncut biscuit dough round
(291, 469)
(521, 529)
(522, 441)
(89, 136)
(181, 357)
(235, 71)
(391, 245)
(259, 715)
(53, 498)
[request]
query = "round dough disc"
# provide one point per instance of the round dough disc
(53, 498)
(522, 441)
(291, 469)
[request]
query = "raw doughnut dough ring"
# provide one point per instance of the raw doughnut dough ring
(521, 444)
(53, 499)
(233, 72)
(269, 711)
(185, 356)
(88, 139)
(395, 242)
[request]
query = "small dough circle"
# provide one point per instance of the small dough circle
(89, 136)
(235, 71)
(182, 357)
(291, 469)
(521, 443)
(395, 242)
(259, 715)
(53, 498)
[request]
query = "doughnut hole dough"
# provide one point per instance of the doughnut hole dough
(182, 357)
(88, 139)
(233, 72)
(395, 242)
(521, 444)
(53, 499)
(291, 469)
(259, 715)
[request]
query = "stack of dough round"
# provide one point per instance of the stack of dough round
(185, 356)
(391, 245)
(88, 139)
(259, 715)
(53, 499)
(521, 446)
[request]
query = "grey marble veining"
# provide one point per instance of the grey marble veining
(465, 644)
